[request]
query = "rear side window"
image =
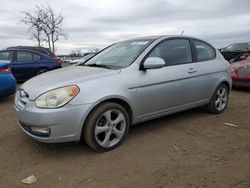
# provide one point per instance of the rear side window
(174, 51)
(42, 51)
(204, 52)
(24, 56)
(36, 57)
(6, 55)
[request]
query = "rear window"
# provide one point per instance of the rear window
(42, 51)
(6, 55)
(204, 51)
(36, 57)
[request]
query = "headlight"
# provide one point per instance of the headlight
(57, 97)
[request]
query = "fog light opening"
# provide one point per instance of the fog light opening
(40, 131)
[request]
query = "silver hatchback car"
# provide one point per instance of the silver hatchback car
(128, 82)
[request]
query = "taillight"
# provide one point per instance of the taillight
(53, 55)
(58, 61)
(232, 69)
(4, 70)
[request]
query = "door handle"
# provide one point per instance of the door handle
(192, 70)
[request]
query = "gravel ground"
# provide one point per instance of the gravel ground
(188, 149)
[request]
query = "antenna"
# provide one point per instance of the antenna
(182, 32)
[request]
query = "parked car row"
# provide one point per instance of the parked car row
(72, 60)
(127, 83)
(233, 51)
(103, 94)
(238, 54)
(81, 60)
(26, 62)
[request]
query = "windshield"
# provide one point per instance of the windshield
(237, 47)
(119, 55)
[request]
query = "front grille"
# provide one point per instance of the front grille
(244, 71)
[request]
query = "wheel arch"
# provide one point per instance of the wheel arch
(121, 102)
(115, 99)
(39, 68)
(227, 84)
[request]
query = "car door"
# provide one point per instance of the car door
(174, 87)
(23, 65)
(211, 67)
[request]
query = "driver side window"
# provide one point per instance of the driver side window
(174, 52)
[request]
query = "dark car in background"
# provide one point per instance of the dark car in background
(234, 50)
(24, 64)
(41, 50)
(7, 80)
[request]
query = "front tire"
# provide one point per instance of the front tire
(106, 126)
(219, 101)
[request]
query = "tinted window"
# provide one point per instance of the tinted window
(24, 56)
(6, 55)
(42, 51)
(204, 51)
(176, 51)
(36, 57)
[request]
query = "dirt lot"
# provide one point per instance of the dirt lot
(189, 149)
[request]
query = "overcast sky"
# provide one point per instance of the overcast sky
(97, 23)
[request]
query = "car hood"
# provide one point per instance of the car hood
(63, 77)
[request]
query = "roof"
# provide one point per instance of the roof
(18, 47)
(154, 37)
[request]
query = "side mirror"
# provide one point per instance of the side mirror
(153, 63)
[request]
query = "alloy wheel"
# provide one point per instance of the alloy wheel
(221, 99)
(110, 128)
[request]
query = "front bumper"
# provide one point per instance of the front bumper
(65, 123)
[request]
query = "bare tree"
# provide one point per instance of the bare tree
(34, 23)
(52, 26)
(47, 24)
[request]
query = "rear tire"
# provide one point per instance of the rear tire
(106, 127)
(41, 71)
(219, 100)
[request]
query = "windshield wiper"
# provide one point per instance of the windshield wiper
(98, 65)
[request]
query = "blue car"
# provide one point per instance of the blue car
(7, 80)
(25, 64)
